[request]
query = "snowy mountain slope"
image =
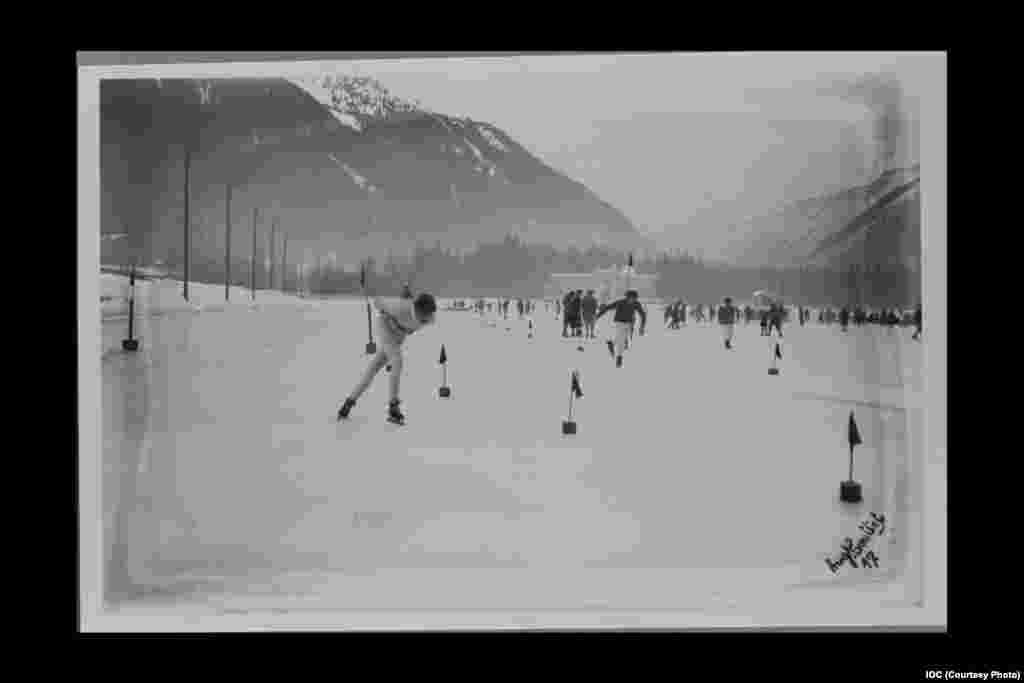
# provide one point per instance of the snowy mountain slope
(339, 161)
(815, 230)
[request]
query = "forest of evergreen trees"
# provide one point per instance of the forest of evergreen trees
(515, 269)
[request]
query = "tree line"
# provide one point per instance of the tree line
(513, 268)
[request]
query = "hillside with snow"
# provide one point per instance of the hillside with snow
(877, 223)
(337, 162)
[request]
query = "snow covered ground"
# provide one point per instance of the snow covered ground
(226, 476)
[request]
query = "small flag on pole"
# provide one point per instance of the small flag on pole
(362, 275)
(850, 490)
(853, 434)
(576, 390)
(778, 351)
(444, 356)
(631, 259)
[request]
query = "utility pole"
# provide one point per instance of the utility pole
(273, 243)
(227, 245)
(252, 262)
(188, 161)
(284, 266)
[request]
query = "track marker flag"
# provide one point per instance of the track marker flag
(850, 490)
(445, 391)
(371, 348)
(853, 438)
(569, 426)
(776, 356)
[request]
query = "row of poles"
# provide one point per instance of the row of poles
(227, 242)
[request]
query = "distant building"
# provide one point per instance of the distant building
(608, 283)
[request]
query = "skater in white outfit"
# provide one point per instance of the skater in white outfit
(396, 320)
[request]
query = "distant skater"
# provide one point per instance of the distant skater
(396, 320)
(727, 319)
(918, 323)
(775, 319)
(626, 310)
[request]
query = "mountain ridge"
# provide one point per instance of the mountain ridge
(347, 168)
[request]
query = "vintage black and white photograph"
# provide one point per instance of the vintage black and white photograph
(527, 340)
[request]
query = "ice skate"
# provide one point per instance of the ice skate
(618, 361)
(611, 347)
(395, 416)
(346, 407)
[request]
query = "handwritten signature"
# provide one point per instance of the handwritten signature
(851, 553)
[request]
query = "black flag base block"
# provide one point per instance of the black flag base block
(445, 392)
(568, 427)
(850, 492)
(579, 348)
(371, 348)
(130, 344)
(773, 371)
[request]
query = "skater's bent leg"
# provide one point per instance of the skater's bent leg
(621, 332)
(395, 358)
(378, 362)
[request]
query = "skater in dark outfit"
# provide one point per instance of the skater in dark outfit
(626, 310)
(764, 323)
(844, 319)
(566, 303)
(918, 323)
(775, 319)
(396, 320)
(727, 314)
(574, 313)
(676, 313)
(589, 309)
(579, 313)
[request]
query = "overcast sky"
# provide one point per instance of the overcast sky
(662, 136)
(665, 137)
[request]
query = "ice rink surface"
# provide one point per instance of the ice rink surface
(225, 472)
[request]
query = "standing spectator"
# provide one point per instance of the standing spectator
(589, 310)
(577, 313)
(566, 301)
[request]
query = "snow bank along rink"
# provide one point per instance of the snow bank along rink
(226, 477)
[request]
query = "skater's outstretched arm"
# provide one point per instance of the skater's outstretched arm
(643, 316)
(604, 309)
